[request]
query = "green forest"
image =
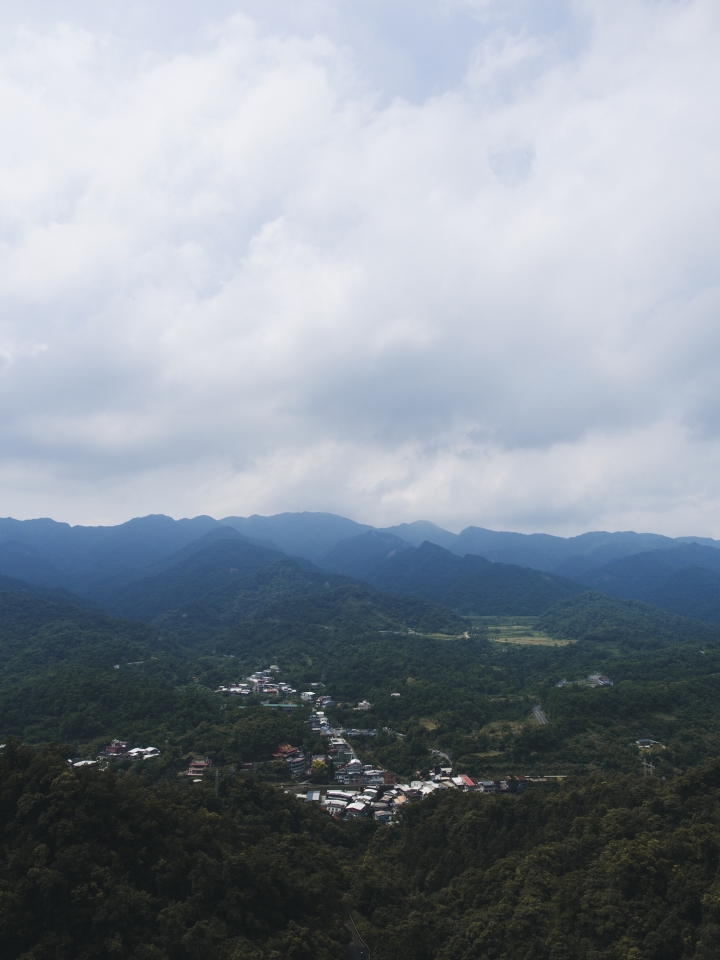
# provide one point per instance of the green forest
(596, 868)
(136, 861)
(98, 864)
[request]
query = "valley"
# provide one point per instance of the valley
(357, 717)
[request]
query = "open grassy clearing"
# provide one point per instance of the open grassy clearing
(537, 641)
(428, 724)
(517, 630)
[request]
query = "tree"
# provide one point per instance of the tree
(319, 771)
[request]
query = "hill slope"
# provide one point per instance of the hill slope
(200, 568)
(79, 558)
(359, 607)
(243, 598)
(596, 868)
(683, 580)
(592, 616)
(58, 679)
(469, 584)
(309, 535)
(105, 866)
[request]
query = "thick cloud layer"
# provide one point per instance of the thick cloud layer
(453, 260)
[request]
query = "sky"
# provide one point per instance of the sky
(454, 260)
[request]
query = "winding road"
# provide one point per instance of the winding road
(540, 716)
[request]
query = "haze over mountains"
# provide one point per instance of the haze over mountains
(151, 565)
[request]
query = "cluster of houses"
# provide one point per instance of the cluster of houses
(594, 680)
(364, 790)
(318, 699)
(123, 750)
(377, 794)
(262, 682)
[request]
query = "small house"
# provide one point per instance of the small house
(198, 767)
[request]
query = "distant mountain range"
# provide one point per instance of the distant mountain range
(469, 584)
(151, 565)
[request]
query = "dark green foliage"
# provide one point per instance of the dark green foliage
(466, 695)
(358, 607)
(504, 589)
(59, 676)
(691, 592)
(251, 734)
(684, 580)
(244, 598)
(285, 591)
(594, 870)
(139, 863)
(78, 705)
(96, 865)
(38, 633)
(596, 617)
(195, 573)
(469, 584)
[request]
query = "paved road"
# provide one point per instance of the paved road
(540, 716)
(357, 949)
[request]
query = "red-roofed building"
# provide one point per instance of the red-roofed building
(198, 767)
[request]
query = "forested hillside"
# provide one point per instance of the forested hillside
(469, 584)
(98, 865)
(216, 561)
(409, 679)
(593, 616)
(683, 580)
(593, 869)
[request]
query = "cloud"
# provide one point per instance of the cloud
(260, 266)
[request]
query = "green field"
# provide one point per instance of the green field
(517, 630)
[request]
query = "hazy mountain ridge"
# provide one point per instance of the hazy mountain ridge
(469, 584)
(305, 534)
(684, 580)
(89, 555)
(80, 558)
(542, 551)
(115, 565)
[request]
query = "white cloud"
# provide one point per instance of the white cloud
(258, 269)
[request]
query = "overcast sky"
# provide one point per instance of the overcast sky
(396, 259)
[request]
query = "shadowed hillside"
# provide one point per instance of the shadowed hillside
(469, 584)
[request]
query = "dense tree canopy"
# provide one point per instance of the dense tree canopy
(592, 870)
(139, 862)
(100, 865)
